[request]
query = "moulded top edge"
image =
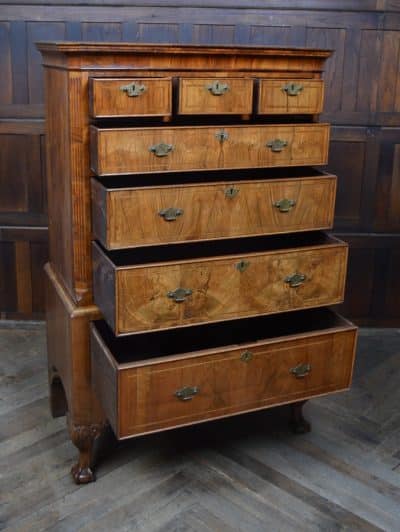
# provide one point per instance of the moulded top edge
(75, 47)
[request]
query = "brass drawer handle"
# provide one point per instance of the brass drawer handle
(180, 294)
(231, 192)
(161, 150)
(246, 356)
(170, 214)
(292, 89)
(277, 145)
(134, 89)
(217, 88)
(295, 280)
(300, 371)
(284, 205)
(221, 135)
(242, 265)
(187, 393)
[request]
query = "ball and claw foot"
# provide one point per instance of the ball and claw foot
(82, 475)
(83, 437)
(298, 424)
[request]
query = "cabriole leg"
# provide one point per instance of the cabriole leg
(298, 424)
(83, 437)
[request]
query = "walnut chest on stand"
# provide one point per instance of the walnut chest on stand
(189, 274)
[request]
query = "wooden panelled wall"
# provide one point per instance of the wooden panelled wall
(362, 103)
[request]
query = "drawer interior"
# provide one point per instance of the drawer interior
(126, 349)
(235, 246)
(207, 176)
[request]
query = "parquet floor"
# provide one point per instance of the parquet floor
(247, 473)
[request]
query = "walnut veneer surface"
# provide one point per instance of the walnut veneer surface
(123, 151)
(210, 210)
(187, 271)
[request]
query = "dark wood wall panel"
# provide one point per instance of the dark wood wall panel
(373, 284)
(23, 253)
(22, 198)
(362, 102)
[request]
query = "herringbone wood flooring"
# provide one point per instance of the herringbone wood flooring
(245, 473)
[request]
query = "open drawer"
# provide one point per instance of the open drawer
(158, 380)
(217, 280)
(135, 150)
(134, 212)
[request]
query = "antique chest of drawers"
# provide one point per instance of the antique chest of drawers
(189, 275)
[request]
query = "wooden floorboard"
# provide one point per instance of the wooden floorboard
(246, 473)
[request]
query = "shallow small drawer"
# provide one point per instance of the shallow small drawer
(140, 216)
(130, 97)
(290, 96)
(120, 151)
(155, 381)
(136, 292)
(206, 96)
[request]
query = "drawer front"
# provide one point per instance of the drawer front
(172, 295)
(130, 97)
(215, 96)
(135, 151)
(172, 393)
(137, 217)
(291, 96)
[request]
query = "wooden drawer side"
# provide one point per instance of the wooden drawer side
(104, 377)
(104, 281)
(100, 212)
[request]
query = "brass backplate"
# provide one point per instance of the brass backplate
(301, 370)
(179, 294)
(295, 280)
(170, 214)
(293, 89)
(187, 393)
(161, 150)
(134, 89)
(284, 205)
(277, 145)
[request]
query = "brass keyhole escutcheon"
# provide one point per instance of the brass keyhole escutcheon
(134, 89)
(217, 88)
(187, 393)
(231, 192)
(295, 280)
(242, 265)
(179, 294)
(246, 356)
(301, 370)
(284, 205)
(161, 150)
(292, 89)
(277, 145)
(221, 135)
(170, 214)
